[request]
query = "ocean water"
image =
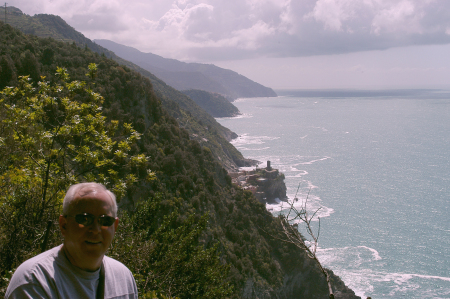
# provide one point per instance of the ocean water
(376, 165)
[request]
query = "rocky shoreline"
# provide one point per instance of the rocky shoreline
(267, 184)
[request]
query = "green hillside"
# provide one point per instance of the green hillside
(200, 125)
(32, 25)
(185, 230)
(182, 75)
(213, 103)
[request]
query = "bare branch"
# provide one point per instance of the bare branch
(293, 236)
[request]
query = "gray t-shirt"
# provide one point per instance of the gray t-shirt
(51, 275)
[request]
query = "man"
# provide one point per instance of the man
(78, 268)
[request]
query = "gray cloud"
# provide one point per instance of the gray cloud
(98, 22)
(308, 27)
(236, 29)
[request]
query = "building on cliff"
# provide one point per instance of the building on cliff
(267, 184)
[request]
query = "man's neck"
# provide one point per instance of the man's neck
(89, 265)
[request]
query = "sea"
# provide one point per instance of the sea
(374, 165)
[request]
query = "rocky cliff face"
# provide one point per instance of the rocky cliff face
(189, 177)
(299, 284)
(266, 184)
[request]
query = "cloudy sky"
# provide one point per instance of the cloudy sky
(280, 43)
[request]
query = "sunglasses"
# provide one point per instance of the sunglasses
(86, 219)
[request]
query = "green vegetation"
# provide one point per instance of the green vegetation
(17, 19)
(49, 140)
(213, 103)
(184, 76)
(186, 231)
(200, 125)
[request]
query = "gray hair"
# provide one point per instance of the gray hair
(87, 188)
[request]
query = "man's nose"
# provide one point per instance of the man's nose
(95, 227)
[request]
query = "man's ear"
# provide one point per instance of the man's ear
(62, 224)
(116, 224)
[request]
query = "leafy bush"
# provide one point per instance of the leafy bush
(168, 182)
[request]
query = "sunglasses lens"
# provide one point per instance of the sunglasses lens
(84, 219)
(106, 220)
(87, 219)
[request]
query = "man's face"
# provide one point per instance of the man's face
(85, 246)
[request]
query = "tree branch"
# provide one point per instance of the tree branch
(293, 236)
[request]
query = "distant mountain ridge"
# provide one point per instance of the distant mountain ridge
(200, 125)
(213, 103)
(182, 75)
(189, 182)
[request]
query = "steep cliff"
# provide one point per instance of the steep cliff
(266, 184)
(163, 215)
(201, 125)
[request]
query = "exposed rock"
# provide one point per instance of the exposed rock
(266, 184)
(298, 285)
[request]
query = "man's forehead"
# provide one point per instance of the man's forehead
(84, 192)
(101, 197)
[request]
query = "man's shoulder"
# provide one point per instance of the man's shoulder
(41, 261)
(119, 281)
(115, 265)
(34, 270)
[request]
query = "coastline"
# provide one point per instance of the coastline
(336, 146)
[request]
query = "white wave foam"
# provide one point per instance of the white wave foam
(320, 128)
(346, 263)
(405, 277)
(357, 268)
(298, 175)
(242, 115)
(313, 205)
(252, 149)
(398, 284)
(359, 255)
(375, 253)
(246, 139)
(314, 161)
(240, 100)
